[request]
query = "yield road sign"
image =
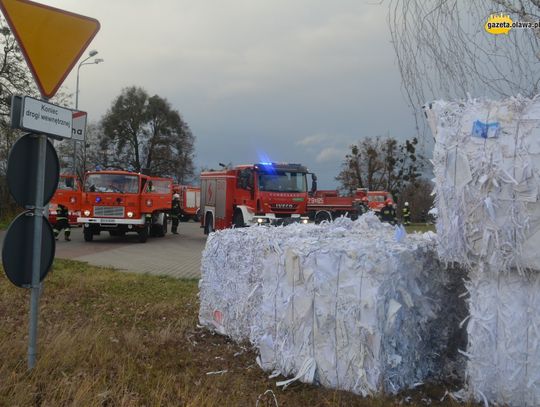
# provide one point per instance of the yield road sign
(22, 171)
(52, 40)
(18, 248)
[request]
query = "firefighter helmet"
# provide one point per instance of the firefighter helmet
(175, 196)
(406, 204)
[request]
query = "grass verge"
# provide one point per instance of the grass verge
(118, 339)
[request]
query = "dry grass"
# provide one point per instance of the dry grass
(117, 339)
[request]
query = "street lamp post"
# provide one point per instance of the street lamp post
(91, 54)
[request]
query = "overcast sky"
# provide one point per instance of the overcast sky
(281, 80)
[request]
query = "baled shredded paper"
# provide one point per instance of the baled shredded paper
(341, 304)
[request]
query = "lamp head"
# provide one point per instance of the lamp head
(93, 53)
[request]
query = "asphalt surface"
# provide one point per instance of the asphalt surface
(176, 256)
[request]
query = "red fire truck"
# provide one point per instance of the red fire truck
(249, 194)
(121, 202)
(190, 202)
(327, 205)
(69, 194)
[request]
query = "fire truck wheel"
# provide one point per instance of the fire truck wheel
(209, 224)
(88, 234)
(238, 220)
(160, 230)
(143, 234)
(165, 224)
(322, 216)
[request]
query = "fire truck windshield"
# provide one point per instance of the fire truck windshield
(283, 181)
(119, 183)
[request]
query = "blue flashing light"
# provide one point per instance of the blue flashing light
(266, 164)
(98, 199)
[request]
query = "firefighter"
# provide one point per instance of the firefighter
(62, 222)
(406, 214)
(361, 206)
(388, 213)
(175, 213)
(365, 204)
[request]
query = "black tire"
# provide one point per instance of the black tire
(209, 224)
(160, 229)
(143, 234)
(165, 225)
(88, 234)
(323, 216)
(238, 220)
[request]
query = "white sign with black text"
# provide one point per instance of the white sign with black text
(43, 117)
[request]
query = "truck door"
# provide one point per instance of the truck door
(246, 186)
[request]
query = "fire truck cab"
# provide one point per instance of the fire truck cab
(270, 193)
(376, 199)
(122, 201)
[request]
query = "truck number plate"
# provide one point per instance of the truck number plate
(107, 221)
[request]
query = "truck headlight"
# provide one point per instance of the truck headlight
(130, 214)
(86, 212)
(304, 221)
(260, 220)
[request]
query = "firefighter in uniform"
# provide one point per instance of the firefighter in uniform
(62, 222)
(406, 214)
(388, 213)
(365, 204)
(361, 206)
(175, 213)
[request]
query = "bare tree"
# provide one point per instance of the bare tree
(380, 164)
(443, 50)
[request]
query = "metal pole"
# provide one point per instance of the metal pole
(76, 108)
(77, 87)
(36, 251)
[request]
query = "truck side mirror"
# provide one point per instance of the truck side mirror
(313, 184)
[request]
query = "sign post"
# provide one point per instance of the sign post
(51, 40)
(36, 259)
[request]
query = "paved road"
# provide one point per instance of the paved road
(173, 255)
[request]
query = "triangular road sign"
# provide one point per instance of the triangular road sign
(52, 40)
